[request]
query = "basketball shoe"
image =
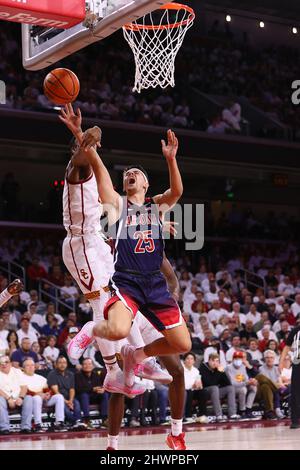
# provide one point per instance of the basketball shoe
(148, 370)
(115, 384)
(151, 370)
(81, 341)
(176, 442)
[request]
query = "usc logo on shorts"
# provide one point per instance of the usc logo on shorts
(84, 274)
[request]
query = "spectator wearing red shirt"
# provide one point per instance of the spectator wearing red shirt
(35, 272)
(199, 306)
(56, 276)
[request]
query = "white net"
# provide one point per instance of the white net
(155, 40)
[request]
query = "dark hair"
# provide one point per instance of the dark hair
(85, 359)
(60, 357)
(9, 335)
(189, 354)
(139, 167)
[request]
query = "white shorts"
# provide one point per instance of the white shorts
(148, 332)
(88, 260)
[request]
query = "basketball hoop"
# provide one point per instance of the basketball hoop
(155, 40)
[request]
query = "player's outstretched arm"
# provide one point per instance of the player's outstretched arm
(73, 121)
(171, 278)
(87, 155)
(14, 288)
(173, 194)
(106, 190)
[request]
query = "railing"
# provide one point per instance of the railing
(253, 279)
(13, 270)
(54, 295)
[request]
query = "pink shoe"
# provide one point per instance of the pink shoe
(151, 370)
(81, 341)
(129, 364)
(116, 385)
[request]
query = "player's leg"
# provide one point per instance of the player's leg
(115, 416)
(175, 440)
(164, 314)
(175, 341)
(141, 333)
(118, 323)
(91, 267)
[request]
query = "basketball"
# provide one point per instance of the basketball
(61, 86)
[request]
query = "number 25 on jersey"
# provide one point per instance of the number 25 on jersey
(144, 242)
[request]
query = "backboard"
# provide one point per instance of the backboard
(45, 46)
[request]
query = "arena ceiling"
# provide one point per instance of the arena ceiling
(288, 9)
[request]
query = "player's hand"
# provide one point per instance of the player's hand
(169, 150)
(169, 227)
(15, 287)
(70, 119)
(91, 137)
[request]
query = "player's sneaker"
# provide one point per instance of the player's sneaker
(151, 370)
(129, 364)
(81, 341)
(115, 384)
(110, 448)
(176, 442)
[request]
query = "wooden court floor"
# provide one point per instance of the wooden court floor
(258, 435)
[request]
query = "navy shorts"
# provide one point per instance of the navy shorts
(148, 294)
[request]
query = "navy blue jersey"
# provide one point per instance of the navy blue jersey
(139, 244)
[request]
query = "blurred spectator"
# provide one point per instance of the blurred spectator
(255, 353)
(27, 331)
(3, 331)
(35, 272)
(235, 346)
(245, 387)
(69, 292)
(51, 327)
(39, 395)
(295, 307)
(13, 342)
(269, 385)
(51, 353)
(89, 390)
(61, 380)
(41, 365)
(215, 348)
(194, 388)
(231, 115)
(218, 386)
(13, 396)
(217, 125)
(24, 352)
(247, 333)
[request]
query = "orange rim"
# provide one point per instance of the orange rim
(168, 6)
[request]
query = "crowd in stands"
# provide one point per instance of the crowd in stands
(106, 72)
(238, 332)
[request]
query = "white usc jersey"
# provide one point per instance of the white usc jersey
(81, 207)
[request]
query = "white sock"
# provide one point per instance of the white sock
(112, 441)
(176, 426)
(139, 355)
(112, 366)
